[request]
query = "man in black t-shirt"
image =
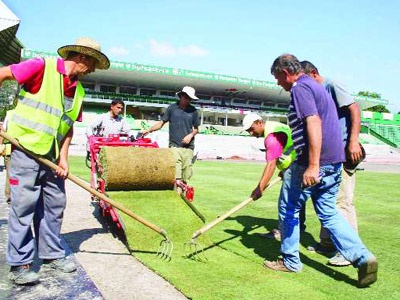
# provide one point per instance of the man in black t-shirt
(183, 121)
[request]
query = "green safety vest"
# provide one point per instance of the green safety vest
(288, 153)
(42, 120)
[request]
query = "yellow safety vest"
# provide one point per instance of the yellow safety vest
(288, 153)
(41, 121)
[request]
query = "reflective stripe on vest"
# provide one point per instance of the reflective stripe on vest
(39, 105)
(68, 120)
(288, 152)
(72, 113)
(32, 124)
(40, 121)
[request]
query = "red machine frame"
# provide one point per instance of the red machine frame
(95, 145)
(119, 140)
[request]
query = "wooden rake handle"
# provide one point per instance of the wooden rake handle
(231, 211)
(85, 186)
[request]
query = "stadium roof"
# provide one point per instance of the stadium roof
(134, 74)
(10, 46)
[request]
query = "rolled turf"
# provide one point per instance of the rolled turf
(134, 168)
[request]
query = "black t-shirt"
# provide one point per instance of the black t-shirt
(181, 123)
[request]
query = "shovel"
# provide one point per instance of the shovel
(166, 245)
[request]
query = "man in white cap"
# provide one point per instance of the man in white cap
(278, 145)
(184, 122)
(50, 101)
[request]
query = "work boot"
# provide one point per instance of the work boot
(22, 275)
(276, 265)
(65, 265)
(320, 249)
(368, 272)
(273, 234)
(339, 261)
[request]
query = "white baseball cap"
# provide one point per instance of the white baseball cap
(249, 120)
(188, 90)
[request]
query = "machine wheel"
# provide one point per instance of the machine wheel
(88, 160)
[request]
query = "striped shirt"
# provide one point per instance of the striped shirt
(297, 126)
(309, 98)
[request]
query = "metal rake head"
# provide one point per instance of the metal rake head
(165, 249)
(194, 250)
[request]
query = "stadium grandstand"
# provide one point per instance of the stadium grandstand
(147, 90)
(383, 126)
(224, 100)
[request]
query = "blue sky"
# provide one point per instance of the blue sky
(353, 41)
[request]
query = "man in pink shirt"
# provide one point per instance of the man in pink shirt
(49, 102)
(278, 142)
(279, 153)
(278, 145)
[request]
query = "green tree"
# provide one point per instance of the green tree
(377, 108)
(370, 94)
(8, 92)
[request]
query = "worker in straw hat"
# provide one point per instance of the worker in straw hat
(184, 124)
(50, 101)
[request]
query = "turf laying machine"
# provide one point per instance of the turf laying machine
(122, 163)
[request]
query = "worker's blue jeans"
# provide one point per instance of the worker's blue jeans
(324, 195)
(38, 196)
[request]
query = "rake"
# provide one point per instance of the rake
(166, 246)
(196, 250)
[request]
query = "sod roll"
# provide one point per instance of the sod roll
(134, 168)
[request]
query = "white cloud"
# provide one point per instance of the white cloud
(119, 51)
(193, 50)
(139, 46)
(165, 49)
(162, 49)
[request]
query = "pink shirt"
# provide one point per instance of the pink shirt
(30, 73)
(274, 144)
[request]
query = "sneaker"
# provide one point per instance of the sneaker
(65, 265)
(273, 234)
(339, 261)
(22, 275)
(276, 265)
(325, 250)
(368, 273)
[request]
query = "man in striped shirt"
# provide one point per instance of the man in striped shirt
(316, 173)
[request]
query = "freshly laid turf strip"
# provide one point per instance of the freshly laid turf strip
(225, 275)
(234, 269)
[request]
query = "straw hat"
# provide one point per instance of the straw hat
(89, 47)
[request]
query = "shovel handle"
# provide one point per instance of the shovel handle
(85, 186)
(231, 211)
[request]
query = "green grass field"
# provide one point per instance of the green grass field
(234, 268)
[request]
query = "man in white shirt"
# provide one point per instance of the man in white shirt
(110, 123)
